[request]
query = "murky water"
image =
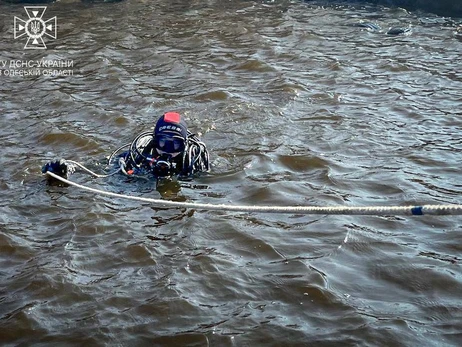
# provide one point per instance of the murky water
(297, 107)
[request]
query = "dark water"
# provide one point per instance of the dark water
(298, 107)
(449, 8)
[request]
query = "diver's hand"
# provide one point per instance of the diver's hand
(59, 167)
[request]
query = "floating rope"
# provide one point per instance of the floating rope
(339, 210)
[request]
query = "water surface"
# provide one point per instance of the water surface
(298, 106)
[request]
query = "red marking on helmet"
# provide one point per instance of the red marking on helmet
(172, 117)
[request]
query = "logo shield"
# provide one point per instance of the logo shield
(35, 28)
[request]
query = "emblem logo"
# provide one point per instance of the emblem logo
(35, 27)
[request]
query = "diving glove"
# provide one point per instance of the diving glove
(59, 167)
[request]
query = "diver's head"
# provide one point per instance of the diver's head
(170, 134)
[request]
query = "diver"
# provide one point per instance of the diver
(171, 150)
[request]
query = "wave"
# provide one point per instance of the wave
(449, 8)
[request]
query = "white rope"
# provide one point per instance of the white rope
(339, 210)
(91, 172)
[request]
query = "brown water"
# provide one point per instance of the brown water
(297, 107)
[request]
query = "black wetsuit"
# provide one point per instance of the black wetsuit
(143, 158)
